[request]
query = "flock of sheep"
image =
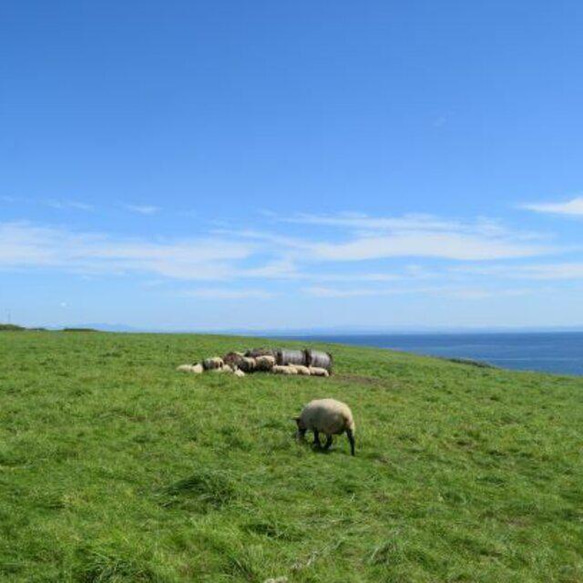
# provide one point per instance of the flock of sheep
(321, 416)
(281, 361)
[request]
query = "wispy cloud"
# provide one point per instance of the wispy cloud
(573, 207)
(346, 255)
(54, 203)
(23, 245)
(228, 294)
(142, 209)
(546, 271)
(372, 238)
(462, 293)
(69, 204)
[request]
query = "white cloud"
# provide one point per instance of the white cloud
(142, 209)
(462, 293)
(573, 207)
(548, 271)
(456, 246)
(332, 292)
(23, 245)
(372, 238)
(228, 294)
(69, 204)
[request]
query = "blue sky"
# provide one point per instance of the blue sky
(206, 165)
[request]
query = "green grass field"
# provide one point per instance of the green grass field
(116, 468)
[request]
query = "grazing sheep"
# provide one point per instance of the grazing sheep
(316, 371)
(301, 370)
(213, 363)
(287, 370)
(192, 368)
(264, 363)
(327, 416)
(238, 372)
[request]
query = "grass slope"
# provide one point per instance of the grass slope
(116, 468)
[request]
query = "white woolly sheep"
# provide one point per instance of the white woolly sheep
(301, 370)
(213, 363)
(191, 368)
(264, 363)
(327, 416)
(238, 372)
(224, 368)
(280, 369)
(316, 371)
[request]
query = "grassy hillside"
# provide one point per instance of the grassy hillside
(114, 467)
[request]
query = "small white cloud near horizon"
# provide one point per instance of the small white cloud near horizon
(147, 210)
(573, 207)
(460, 293)
(227, 294)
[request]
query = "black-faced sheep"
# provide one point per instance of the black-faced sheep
(327, 416)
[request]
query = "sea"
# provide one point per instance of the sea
(553, 352)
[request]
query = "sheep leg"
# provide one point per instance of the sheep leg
(328, 442)
(317, 439)
(350, 436)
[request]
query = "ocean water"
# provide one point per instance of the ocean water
(554, 352)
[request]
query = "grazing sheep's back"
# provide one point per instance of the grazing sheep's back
(328, 416)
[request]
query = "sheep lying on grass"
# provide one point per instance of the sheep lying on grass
(287, 370)
(223, 369)
(286, 362)
(327, 416)
(300, 369)
(213, 363)
(264, 363)
(316, 371)
(192, 368)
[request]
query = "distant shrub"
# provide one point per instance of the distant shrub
(79, 330)
(11, 328)
(470, 362)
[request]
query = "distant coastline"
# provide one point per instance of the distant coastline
(552, 352)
